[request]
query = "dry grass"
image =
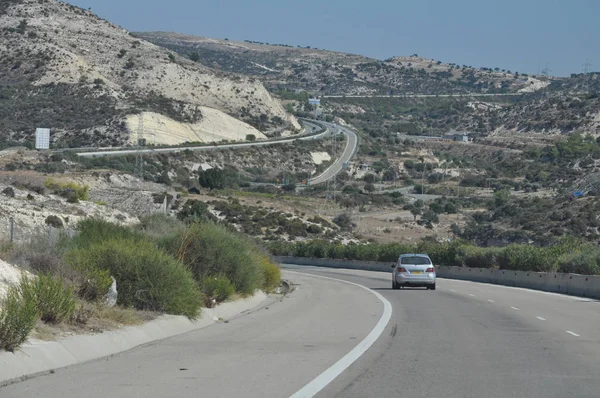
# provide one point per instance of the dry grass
(97, 319)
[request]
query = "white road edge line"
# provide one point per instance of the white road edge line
(515, 308)
(491, 301)
(452, 290)
(472, 295)
(321, 381)
(540, 318)
(573, 333)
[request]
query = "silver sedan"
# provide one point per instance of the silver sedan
(413, 270)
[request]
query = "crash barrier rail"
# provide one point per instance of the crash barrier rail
(571, 284)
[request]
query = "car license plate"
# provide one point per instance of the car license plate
(416, 272)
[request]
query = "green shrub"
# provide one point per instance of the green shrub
(93, 283)
(18, 317)
(193, 211)
(586, 262)
(147, 278)
(271, 273)
(157, 226)
(528, 258)
(94, 230)
(54, 221)
(218, 288)
(70, 191)
(477, 257)
(55, 302)
(209, 249)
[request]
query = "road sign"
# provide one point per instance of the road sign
(578, 194)
(42, 138)
(314, 101)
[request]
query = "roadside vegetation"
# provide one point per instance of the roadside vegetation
(569, 255)
(163, 265)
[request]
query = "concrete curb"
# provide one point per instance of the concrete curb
(571, 284)
(37, 356)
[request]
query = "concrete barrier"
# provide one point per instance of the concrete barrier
(572, 284)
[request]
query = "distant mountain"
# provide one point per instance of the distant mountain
(322, 72)
(63, 67)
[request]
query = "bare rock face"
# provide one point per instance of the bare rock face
(67, 69)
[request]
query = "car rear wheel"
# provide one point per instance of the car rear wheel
(395, 286)
(432, 287)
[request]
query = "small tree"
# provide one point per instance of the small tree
(415, 211)
(369, 178)
(212, 179)
(251, 137)
(369, 188)
(429, 218)
(194, 56)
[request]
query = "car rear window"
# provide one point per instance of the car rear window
(415, 260)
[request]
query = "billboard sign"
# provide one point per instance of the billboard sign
(42, 138)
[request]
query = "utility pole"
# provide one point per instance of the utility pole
(546, 72)
(334, 150)
(139, 160)
(586, 76)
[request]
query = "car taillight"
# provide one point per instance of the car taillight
(430, 270)
(401, 269)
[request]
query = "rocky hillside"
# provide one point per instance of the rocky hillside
(63, 67)
(330, 73)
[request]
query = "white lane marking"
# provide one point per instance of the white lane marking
(452, 290)
(573, 333)
(491, 301)
(515, 308)
(321, 381)
(565, 296)
(540, 318)
(472, 295)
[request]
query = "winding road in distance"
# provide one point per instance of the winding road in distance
(354, 337)
(344, 158)
(310, 125)
(148, 151)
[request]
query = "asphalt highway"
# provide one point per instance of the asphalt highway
(462, 340)
(347, 154)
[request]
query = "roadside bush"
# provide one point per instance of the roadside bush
(194, 210)
(55, 302)
(147, 277)
(209, 249)
(54, 221)
(218, 288)
(271, 273)
(18, 317)
(94, 230)
(586, 262)
(70, 191)
(157, 226)
(343, 220)
(477, 257)
(9, 191)
(528, 258)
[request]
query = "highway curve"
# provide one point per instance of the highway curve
(349, 151)
(467, 339)
(462, 340)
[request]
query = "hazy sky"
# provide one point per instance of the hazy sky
(520, 35)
